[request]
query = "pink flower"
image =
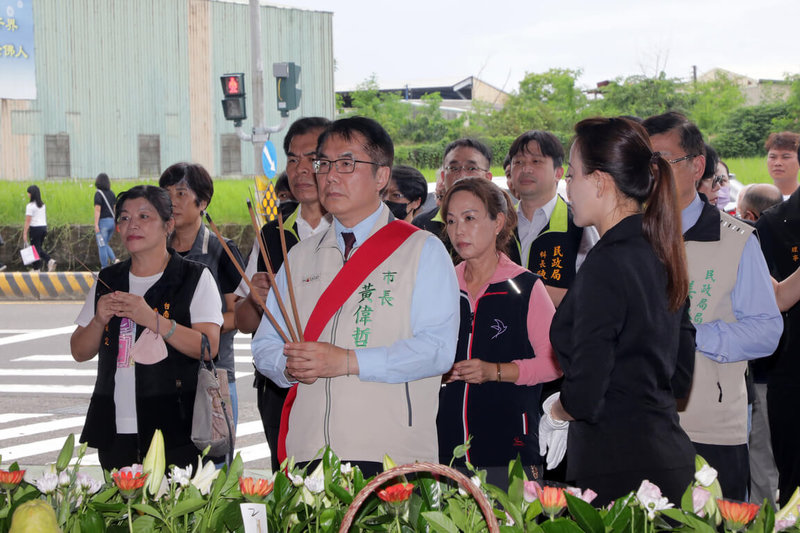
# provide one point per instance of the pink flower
(586, 495)
(780, 525)
(649, 496)
(700, 497)
(529, 490)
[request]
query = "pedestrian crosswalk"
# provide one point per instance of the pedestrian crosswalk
(44, 395)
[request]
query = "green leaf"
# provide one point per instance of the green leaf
(457, 511)
(148, 509)
(430, 490)
(617, 518)
(688, 519)
(231, 485)
(144, 524)
(439, 522)
(584, 514)
(687, 503)
(765, 520)
(501, 496)
(330, 468)
(560, 525)
(341, 493)
(65, 456)
(187, 506)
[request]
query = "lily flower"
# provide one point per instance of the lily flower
(205, 476)
(552, 499)
(129, 481)
(737, 515)
(155, 463)
(790, 509)
(10, 479)
(649, 496)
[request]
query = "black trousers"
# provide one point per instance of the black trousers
(37, 234)
(733, 465)
(269, 399)
(782, 405)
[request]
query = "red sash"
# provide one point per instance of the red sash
(364, 260)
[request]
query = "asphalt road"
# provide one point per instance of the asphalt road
(44, 393)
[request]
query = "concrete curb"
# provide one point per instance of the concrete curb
(45, 285)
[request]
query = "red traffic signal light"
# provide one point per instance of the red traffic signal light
(232, 84)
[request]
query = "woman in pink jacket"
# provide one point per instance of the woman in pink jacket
(503, 340)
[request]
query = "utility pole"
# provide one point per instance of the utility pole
(257, 65)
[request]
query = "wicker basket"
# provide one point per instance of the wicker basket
(433, 468)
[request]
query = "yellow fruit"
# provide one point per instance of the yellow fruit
(35, 516)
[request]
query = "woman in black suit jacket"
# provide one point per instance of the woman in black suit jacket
(622, 334)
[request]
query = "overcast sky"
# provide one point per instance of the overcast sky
(500, 41)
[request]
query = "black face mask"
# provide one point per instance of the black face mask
(400, 211)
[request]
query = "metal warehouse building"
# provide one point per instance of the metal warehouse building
(128, 87)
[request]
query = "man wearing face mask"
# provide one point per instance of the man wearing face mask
(406, 193)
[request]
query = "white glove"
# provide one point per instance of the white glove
(552, 434)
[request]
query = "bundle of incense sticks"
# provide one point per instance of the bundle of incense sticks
(292, 337)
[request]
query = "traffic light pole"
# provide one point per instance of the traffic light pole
(260, 129)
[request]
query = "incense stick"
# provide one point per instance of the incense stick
(292, 300)
(270, 274)
(95, 276)
(255, 295)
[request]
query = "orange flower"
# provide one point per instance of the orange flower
(396, 493)
(737, 515)
(128, 482)
(552, 499)
(9, 480)
(251, 487)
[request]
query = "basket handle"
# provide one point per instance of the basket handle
(462, 480)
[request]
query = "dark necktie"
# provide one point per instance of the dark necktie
(349, 241)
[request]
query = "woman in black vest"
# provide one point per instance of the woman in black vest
(622, 333)
(503, 339)
(152, 310)
(190, 189)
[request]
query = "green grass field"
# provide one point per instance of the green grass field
(71, 201)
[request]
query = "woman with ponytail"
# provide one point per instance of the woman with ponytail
(622, 334)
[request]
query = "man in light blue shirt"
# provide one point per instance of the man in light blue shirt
(732, 305)
(367, 384)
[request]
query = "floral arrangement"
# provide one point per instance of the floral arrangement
(152, 497)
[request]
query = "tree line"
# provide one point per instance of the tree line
(553, 101)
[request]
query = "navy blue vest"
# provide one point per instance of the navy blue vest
(503, 418)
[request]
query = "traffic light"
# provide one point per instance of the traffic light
(286, 77)
(233, 105)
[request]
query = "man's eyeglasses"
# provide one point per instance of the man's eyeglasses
(454, 169)
(684, 158)
(343, 166)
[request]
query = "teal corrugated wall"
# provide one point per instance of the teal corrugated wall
(110, 70)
